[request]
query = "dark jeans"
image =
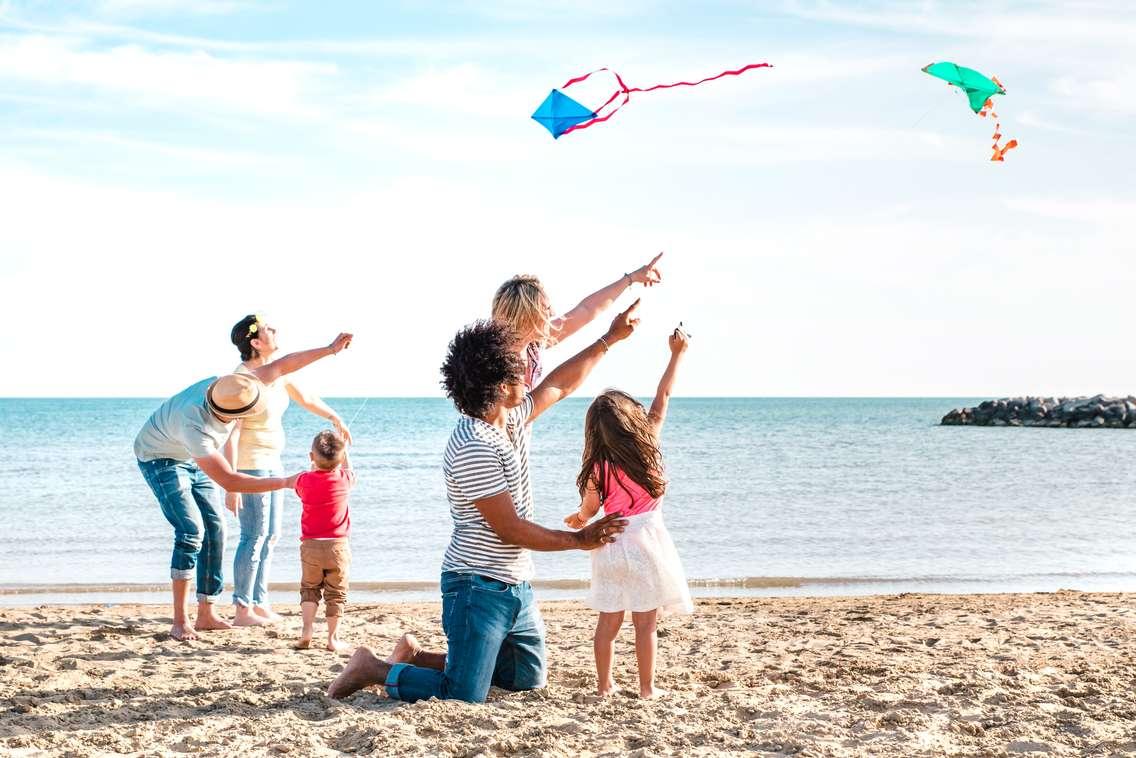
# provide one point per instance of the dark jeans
(192, 503)
(495, 635)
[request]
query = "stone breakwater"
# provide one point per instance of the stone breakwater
(1072, 412)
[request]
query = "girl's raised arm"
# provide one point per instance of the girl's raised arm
(678, 342)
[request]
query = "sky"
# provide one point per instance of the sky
(832, 226)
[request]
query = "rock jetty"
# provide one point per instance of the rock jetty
(1097, 411)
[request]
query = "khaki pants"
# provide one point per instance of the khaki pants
(324, 566)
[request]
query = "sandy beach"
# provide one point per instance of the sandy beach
(889, 675)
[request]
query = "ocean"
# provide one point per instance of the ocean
(767, 496)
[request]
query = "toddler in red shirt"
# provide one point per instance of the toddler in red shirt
(325, 556)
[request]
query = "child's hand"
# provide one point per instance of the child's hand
(678, 341)
(575, 521)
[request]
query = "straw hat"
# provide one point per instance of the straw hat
(235, 395)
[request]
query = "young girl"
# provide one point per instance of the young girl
(640, 572)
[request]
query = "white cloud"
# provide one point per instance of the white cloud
(1113, 91)
(151, 78)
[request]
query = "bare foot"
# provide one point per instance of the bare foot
(270, 616)
(364, 669)
(182, 633)
(248, 617)
(607, 689)
(302, 644)
(404, 650)
(338, 646)
(211, 624)
(652, 694)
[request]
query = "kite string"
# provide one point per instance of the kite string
(357, 412)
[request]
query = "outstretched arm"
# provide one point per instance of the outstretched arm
(678, 342)
(270, 372)
(568, 376)
(313, 404)
(596, 303)
(217, 468)
(502, 517)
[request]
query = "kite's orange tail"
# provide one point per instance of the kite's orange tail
(999, 150)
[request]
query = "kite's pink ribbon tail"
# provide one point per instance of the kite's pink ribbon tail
(626, 91)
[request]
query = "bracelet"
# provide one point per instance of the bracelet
(630, 281)
(606, 346)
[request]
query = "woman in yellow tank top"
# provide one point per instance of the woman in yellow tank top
(255, 448)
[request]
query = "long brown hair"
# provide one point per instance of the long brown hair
(618, 433)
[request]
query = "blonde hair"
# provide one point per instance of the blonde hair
(522, 304)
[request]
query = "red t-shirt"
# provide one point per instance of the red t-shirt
(324, 496)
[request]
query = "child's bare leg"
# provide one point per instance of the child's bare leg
(181, 630)
(334, 644)
(607, 629)
(308, 609)
(646, 641)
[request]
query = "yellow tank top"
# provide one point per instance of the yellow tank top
(262, 436)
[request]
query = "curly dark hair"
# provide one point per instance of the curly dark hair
(480, 358)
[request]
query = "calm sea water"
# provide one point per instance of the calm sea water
(767, 496)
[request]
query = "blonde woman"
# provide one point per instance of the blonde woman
(522, 304)
(254, 448)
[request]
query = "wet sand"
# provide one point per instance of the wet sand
(888, 675)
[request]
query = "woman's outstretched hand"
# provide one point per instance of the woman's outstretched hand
(233, 502)
(341, 429)
(624, 324)
(648, 274)
(342, 342)
(601, 532)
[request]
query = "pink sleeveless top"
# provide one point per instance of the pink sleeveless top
(624, 496)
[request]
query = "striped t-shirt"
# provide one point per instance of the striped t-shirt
(482, 461)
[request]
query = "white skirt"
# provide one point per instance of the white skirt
(640, 571)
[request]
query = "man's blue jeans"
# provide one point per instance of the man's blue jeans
(192, 503)
(495, 635)
(260, 517)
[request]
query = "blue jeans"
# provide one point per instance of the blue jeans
(260, 516)
(193, 505)
(494, 634)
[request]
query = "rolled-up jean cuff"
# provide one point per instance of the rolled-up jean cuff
(310, 595)
(181, 573)
(211, 599)
(391, 682)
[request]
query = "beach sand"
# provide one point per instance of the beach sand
(889, 675)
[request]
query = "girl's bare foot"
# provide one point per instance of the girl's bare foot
(270, 616)
(182, 633)
(248, 617)
(364, 669)
(653, 694)
(302, 644)
(338, 646)
(607, 689)
(404, 650)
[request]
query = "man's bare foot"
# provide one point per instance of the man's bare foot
(302, 644)
(653, 694)
(270, 616)
(182, 633)
(248, 617)
(404, 650)
(364, 669)
(208, 621)
(338, 646)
